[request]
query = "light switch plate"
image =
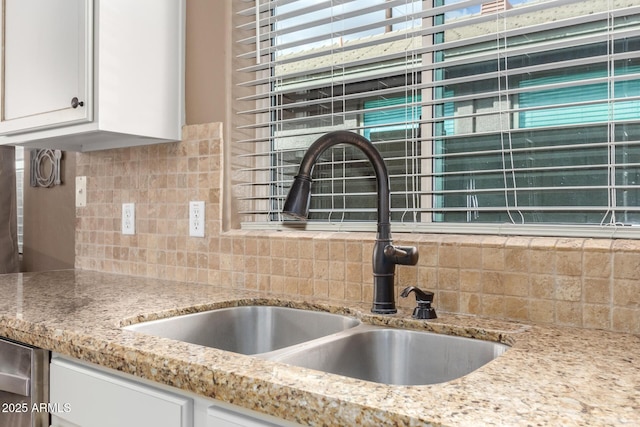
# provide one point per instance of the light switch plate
(81, 191)
(196, 219)
(128, 218)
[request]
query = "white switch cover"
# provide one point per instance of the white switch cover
(196, 219)
(128, 218)
(81, 191)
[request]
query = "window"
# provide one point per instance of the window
(495, 116)
(20, 194)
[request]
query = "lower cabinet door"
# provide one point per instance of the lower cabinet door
(223, 417)
(86, 397)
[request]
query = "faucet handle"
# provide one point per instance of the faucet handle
(405, 255)
(424, 300)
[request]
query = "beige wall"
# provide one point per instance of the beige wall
(50, 213)
(208, 32)
(49, 220)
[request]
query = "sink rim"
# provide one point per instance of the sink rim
(236, 303)
(285, 356)
(191, 328)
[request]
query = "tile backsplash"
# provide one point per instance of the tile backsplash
(589, 283)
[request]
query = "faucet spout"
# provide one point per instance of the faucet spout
(385, 255)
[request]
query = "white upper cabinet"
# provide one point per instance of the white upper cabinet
(45, 63)
(86, 75)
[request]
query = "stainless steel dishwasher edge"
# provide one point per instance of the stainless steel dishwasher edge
(24, 385)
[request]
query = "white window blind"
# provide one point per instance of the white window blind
(20, 195)
(494, 116)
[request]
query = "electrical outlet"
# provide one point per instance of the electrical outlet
(81, 191)
(196, 219)
(128, 218)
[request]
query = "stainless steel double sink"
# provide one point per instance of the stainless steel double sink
(329, 342)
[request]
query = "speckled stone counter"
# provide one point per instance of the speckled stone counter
(551, 376)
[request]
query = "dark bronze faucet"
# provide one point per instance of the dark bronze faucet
(385, 254)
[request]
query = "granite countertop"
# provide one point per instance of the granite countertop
(551, 375)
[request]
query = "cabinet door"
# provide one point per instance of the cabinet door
(87, 397)
(218, 416)
(46, 63)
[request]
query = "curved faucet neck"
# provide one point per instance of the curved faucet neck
(382, 175)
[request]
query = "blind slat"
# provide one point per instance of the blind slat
(478, 58)
(478, 21)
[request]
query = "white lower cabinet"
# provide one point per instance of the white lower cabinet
(86, 395)
(222, 417)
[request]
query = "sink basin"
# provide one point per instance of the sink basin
(330, 343)
(248, 329)
(396, 356)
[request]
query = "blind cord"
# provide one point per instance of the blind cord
(611, 147)
(501, 48)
